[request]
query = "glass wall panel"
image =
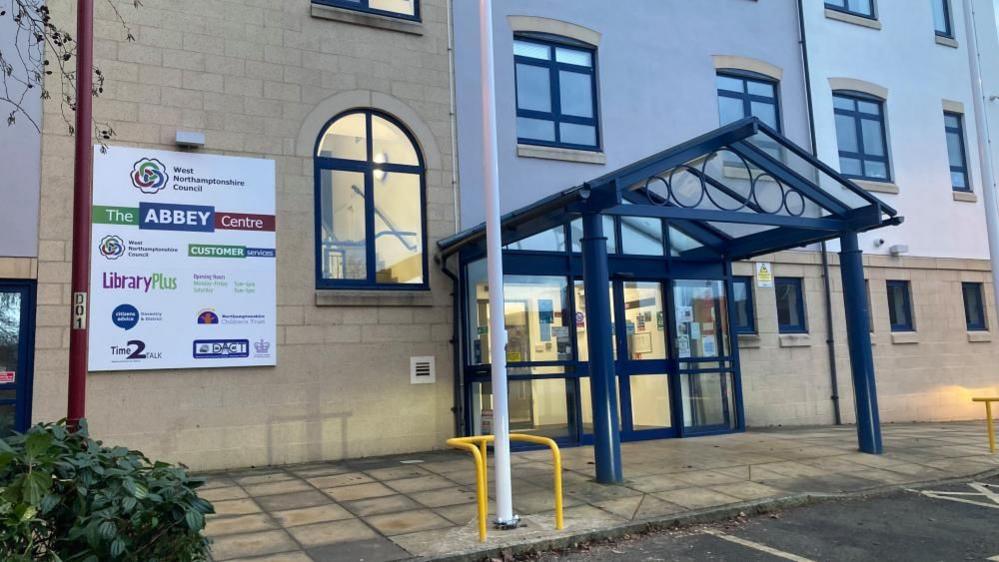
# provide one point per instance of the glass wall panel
(536, 323)
(700, 323)
(643, 312)
(650, 404)
(642, 236)
(576, 231)
(707, 400)
(10, 331)
(582, 325)
(586, 404)
(343, 236)
(539, 407)
(547, 241)
(398, 228)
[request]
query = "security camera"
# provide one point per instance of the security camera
(878, 242)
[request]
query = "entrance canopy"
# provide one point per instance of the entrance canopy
(740, 191)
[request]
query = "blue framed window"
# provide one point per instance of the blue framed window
(974, 306)
(862, 8)
(370, 196)
(942, 22)
(744, 94)
(743, 309)
(860, 133)
(405, 9)
(956, 152)
(900, 306)
(556, 85)
(790, 305)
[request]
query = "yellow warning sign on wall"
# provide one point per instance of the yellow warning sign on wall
(764, 275)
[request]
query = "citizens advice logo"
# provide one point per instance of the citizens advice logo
(149, 176)
(112, 247)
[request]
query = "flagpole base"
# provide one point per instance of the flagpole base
(507, 525)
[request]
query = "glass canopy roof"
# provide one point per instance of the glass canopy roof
(740, 191)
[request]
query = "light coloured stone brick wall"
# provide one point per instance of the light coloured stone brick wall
(929, 375)
(260, 78)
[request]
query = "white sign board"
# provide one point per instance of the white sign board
(183, 256)
(764, 275)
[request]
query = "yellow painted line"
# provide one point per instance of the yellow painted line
(757, 546)
(993, 558)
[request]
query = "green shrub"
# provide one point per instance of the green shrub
(64, 496)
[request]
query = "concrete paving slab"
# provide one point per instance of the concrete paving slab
(219, 526)
(236, 507)
(309, 515)
(280, 502)
(377, 506)
(252, 544)
(371, 550)
(407, 522)
(359, 492)
(696, 498)
(322, 534)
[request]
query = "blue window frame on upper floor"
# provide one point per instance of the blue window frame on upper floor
(744, 94)
(956, 154)
(556, 84)
(405, 9)
(790, 295)
(862, 8)
(743, 309)
(900, 306)
(370, 196)
(974, 307)
(861, 136)
(942, 22)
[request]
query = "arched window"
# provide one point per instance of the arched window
(370, 230)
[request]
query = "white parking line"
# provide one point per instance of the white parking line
(757, 546)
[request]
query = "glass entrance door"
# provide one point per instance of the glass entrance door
(16, 333)
(704, 366)
(643, 368)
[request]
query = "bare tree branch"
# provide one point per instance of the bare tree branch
(42, 57)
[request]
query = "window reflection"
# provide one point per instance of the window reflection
(700, 319)
(535, 317)
(538, 407)
(643, 312)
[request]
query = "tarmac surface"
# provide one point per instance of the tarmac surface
(938, 522)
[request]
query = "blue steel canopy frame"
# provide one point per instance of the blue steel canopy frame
(742, 190)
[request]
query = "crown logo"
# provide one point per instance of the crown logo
(262, 346)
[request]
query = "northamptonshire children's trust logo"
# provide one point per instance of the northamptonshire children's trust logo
(149, 176)
(208, 316)
(112, 247)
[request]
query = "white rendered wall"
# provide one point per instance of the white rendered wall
(904, 57)
(20, 154)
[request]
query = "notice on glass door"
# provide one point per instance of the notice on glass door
(183, 253)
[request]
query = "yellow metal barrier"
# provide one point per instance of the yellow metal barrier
(477, 446)
(988, 416)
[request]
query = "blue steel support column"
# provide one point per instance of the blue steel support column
(603, 381)
(859, 337)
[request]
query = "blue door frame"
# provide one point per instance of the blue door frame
(660, 269)
(19, 393)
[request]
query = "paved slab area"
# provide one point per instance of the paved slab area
(939, 522)
(423, 505)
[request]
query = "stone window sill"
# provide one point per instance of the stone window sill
(878, 186)
(749, 341)
(855, 20)
(369, 20)
(904, 338)
(795, 340)
(350, 297)
(980, 337)
(947, 42)
(965, 197)
(563, 154)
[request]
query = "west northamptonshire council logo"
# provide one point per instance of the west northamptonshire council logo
(112, 247)
(149, 176)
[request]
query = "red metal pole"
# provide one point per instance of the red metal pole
(83, 170)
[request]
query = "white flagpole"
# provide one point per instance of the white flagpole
(494, 260)
(990, 197)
